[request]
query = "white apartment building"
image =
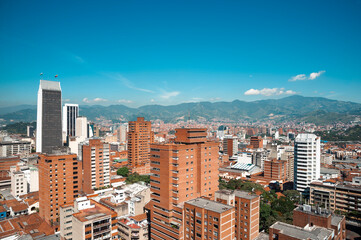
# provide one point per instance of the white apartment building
(19, 185)
(307, 161)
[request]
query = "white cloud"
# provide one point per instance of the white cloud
(315, 75)
(298, 77)
(290, 92)
(87, 100)
(100, 100)
(152, 100)
(269, 92)
(66, 100)
(252, 92)
(124, 101)
(167, 95)
(312, 76)
(215, 99)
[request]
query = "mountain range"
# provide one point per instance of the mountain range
(310, 109)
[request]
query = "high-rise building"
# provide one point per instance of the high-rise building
(82, 128)
(288, 156)
(139, 138)
(30, 131)
(256, 142)
(48, 125)
(246, 212)
(307, 161)
(230, 145)
(95, 157)
(70, 113)
(60, 181)
(181, 171)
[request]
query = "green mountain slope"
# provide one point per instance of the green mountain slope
(309, 109)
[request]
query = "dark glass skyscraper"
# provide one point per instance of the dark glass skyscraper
(70, 113)
(49, 130)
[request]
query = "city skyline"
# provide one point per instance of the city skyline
(175, 53)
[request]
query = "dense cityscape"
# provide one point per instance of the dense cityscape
(68, 177)
(180, 120)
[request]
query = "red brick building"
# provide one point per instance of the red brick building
(140, 136)
(256, 142)
(206, 219)
(246, 209)
(275, 170)
(310, 223)
(181, 171)
(60, 181)
(310, 216)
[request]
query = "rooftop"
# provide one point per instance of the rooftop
(246, 195)
(313, 210)
(98, 211)
(302, 233)
(209, 205)
(329, 171)
(50, 85)
(31, 224)
(243, 166)
(336, 219)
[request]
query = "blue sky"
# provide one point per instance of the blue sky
(168, 52)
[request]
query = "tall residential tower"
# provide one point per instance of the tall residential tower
(139, 138)
(307, 161)
(180, 171)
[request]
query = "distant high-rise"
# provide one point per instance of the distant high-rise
(139, 139)
(70, 113)
(230, 145)
(48, 126)
(307, 161)
(82, 128)
(256, 142)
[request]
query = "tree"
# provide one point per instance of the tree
(135, 177)
(293, 195)
(123, 171)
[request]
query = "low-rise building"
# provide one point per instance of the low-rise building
(135, 227)
(87, 219)
(206, 219)
(307, 216)
(338, 196)
(246, 209)
(14, 148)
(284, 231)
(18, 184)
(128, 200)
(31, 226)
